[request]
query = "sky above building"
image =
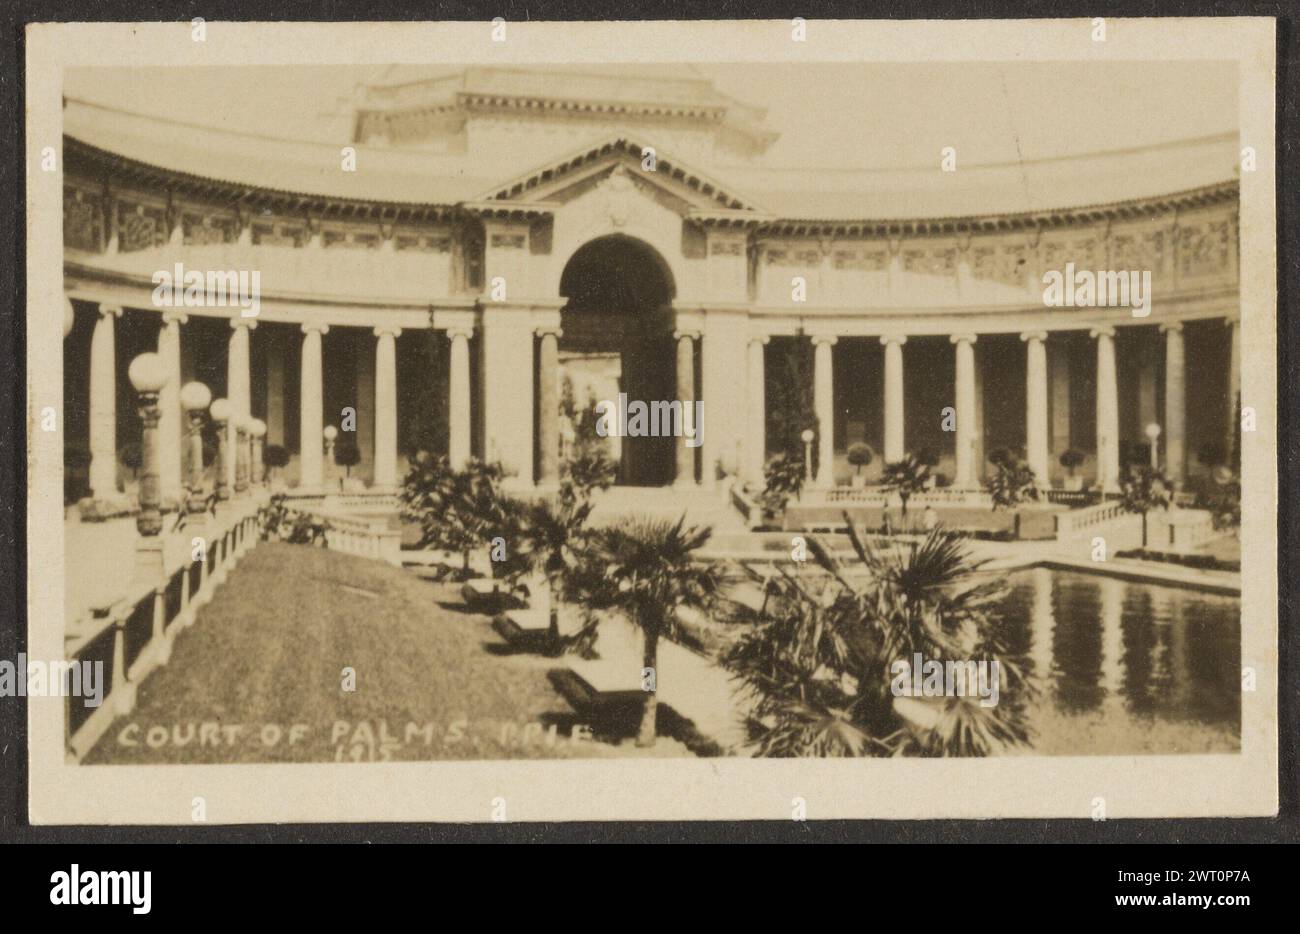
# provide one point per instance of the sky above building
(863, 116)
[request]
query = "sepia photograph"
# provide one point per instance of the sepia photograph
(791, 410)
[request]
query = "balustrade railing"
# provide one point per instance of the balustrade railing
(134, 635)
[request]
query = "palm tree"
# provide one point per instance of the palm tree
(1143, 489)
(556, 541)
(1012, 483)
(905, 477)
(819, 665)
(652, 573)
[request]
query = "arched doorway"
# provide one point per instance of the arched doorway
(618, 339)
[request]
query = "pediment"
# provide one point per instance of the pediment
(615, 166)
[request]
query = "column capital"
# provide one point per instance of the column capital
(763, 339)
(315, 327)
(692, 333)
(899, 339)
(1102, 330)
(388, 330)
(460, 330)
(1033, 336)
(239, 321)
(114, 310)
(828, 340)
(962, 338)
(1174, 326)
(172, 316)
(550, 330)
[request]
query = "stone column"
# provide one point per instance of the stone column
(459, 397)
(1036, 423)
(312, 419)
(169, 405)
(1107, 410)
(824, 408)
(894, 436)
(238, 389)
(1175, 433)
(548, 405)
(686, 395)
(756, 412)
(386, 406)
(103, 405)
(964, 452)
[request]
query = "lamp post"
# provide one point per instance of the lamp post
(807, 437)
(1153, 435)
(256, 435)
(329, 433)
(220, 412)
(195, 399)
(148, 376)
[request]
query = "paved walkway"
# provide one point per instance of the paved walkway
(99, 563)
(694, 686)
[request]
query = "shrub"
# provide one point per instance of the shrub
(906, 477)
(820, 660)
(783, 478)
(1071, 459)
(860, 455)
(1012, 483)
(346, 453)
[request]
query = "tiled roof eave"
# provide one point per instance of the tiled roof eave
(209, 188)
(991, 223)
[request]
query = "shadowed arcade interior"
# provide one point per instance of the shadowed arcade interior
(617, 338)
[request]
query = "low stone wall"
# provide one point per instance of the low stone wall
(1034, 524)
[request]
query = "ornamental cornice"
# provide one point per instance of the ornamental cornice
(169, 185)
(1034, 222)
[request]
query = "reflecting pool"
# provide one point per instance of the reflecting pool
(1126, 668)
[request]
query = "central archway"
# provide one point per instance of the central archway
(617, 328)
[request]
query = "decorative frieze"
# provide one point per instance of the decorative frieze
(1000, 262)
(140, 226)
(203, 229)
(422, 242)
(349, 239)
(1136, 248)
(83, 219)
(280, 233)
(864, 259)
(931, 261)
(1205, 247)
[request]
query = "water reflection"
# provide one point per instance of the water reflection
(1126, 667)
